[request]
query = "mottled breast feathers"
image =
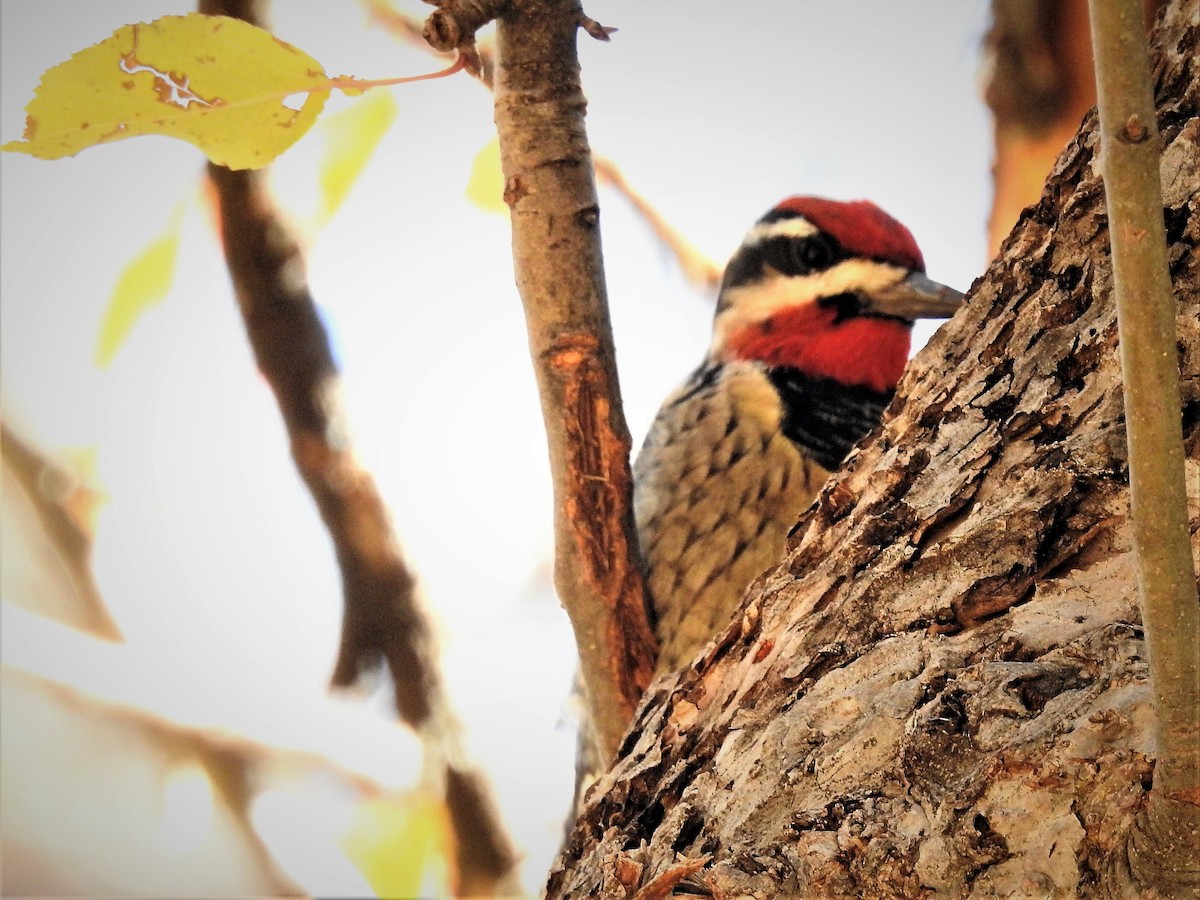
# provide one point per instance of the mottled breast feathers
(718, 486)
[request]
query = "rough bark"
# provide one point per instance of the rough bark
(942, 691)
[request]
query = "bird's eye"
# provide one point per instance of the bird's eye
(798, 256)
(815, 252)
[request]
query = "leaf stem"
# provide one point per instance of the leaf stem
(351, 85)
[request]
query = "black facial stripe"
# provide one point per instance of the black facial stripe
(778, 215)
(826, 418)
(850, 306)
(785, 254)
(846, 306)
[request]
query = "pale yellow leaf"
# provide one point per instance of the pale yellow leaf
(235, 91)
(486, 186)
(400, 846)
(143, 284)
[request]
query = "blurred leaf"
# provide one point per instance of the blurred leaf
(229, 88)
(144, 283)
(84, 496)
(399, 845)
(486, 186)
(353, 135)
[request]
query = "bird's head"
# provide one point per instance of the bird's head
(830, 288)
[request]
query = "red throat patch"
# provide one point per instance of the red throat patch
(860, 351)
(860, 227)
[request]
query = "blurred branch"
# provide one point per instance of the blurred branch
(49, 492)
(384, 619)
(696, 267)
(1162, 852)
(126, 679)
(231, 764)
(1038, 83)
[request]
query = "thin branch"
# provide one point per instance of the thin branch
(594, 28)
(551, 192)
(557, 258)
(384, 618)
(696, 267)
(230, 761)
(1162, 853)
(121, 678)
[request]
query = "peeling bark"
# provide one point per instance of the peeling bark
(942, 690)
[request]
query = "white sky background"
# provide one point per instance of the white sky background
(210, 548)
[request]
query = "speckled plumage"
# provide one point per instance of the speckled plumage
(810, 337)
(719, 485)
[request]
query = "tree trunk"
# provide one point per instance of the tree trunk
(942, 691)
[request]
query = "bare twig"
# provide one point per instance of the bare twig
(696, 267)
(595, 29)
(556, 253)
(1162, 853)
(384, 619)
(230, 761)
(383, 622)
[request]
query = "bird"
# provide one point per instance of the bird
(811, 333)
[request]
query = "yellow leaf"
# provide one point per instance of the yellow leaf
(399, 845)
(486, 187)
(353, 136)
(235, 91)
(143, 284)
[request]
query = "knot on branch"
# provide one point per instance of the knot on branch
(1135, 130)
(453, 24)
(570, 351)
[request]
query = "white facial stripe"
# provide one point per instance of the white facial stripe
(756, 302)
(795, 227)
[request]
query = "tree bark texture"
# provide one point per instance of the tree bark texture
(551, 191)
(942, 691)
